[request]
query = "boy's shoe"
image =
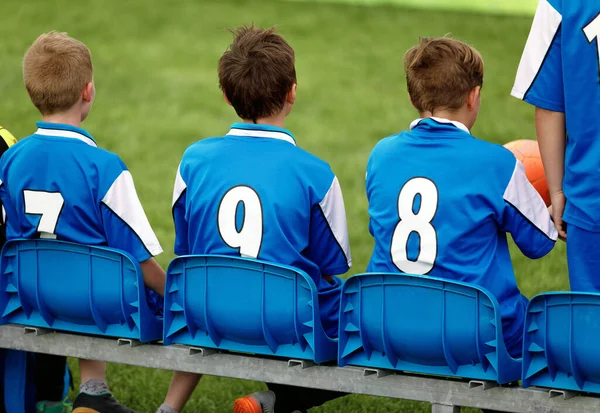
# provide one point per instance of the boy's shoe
(54, 407)
(102, 403)
(262, 402)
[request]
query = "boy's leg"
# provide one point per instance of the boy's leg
(292, 398)
(181, 388)
(94, 395)
(49, 377)
(583, 259)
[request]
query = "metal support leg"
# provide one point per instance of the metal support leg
(444, 408)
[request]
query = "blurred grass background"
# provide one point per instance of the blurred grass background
(157, 92)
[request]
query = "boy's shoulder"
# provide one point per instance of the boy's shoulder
(292, 153)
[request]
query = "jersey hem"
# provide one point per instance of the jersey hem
(339, 270)
(580, 223)
(545, 104)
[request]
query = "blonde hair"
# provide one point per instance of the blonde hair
(55, 70)
(440, 73)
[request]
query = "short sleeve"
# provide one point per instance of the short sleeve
(125, 222)
(179, 215)
(329, 245)
(539, 78)
(526, 217)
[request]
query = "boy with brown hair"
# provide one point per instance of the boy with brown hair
(441, 201)
(254, 193)
(58, 184)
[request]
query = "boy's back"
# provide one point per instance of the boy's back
(560, 72)
(440, 202)
(57, 183)
(254, 193)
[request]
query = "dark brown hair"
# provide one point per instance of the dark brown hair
(257, 72)
(440, 73)
(56, 68)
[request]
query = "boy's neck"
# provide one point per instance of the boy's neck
(72, 118)
(459, 115)
(276, 120)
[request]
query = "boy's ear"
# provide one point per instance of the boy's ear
(87, 94)
(291, 96)
(226, 99)
(473, 97)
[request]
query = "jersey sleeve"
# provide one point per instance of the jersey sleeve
(179, 215)
(329, 245)
(125, 222)
(539, 78)
(526, 217)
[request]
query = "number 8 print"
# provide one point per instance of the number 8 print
(419, 222)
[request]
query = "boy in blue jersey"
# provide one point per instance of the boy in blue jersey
(58, 184)
(441, 201)
(559, 75)
(293, 211)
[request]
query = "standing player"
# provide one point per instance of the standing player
(559, 74)
(293, 211)
(57, 183)
(442, 201)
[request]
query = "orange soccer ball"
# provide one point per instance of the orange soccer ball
(528, 152)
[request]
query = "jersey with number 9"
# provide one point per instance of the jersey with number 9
(254, 193)
(440, 203)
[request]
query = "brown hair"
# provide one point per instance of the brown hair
(257, 72)
(440, 73)
(55, 69)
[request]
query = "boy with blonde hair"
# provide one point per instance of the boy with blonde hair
(58, 184)
(441, 201)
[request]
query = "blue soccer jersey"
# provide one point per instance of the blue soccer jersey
(254, 193)
(58, 184)
(441, 203)
(559, 71)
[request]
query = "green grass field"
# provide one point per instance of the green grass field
(157, 89)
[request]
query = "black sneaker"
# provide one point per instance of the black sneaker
(103, 403)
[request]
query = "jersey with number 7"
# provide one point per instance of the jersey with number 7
(58, 184)
(441, 203)
(254, 193)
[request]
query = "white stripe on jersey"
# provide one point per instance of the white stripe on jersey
(543, 30)
(262, 134)
(65, 134)
(122, 199)
(332, 206)
(180, 186)
(523, 196)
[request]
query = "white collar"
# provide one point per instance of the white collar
(65, 134)
(459, 125)
(256, 133)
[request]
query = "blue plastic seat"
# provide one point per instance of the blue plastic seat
(423, 325)
(562, 332)
(78, 288)
(244, 305)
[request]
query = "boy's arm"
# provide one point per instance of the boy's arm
(551, 134)
(154, 275)
(127, 228)
(181, 225)
(329, 246)
(526, 217)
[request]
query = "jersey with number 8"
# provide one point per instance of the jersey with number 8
(441, 203)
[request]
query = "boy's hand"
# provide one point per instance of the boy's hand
(556, 210)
